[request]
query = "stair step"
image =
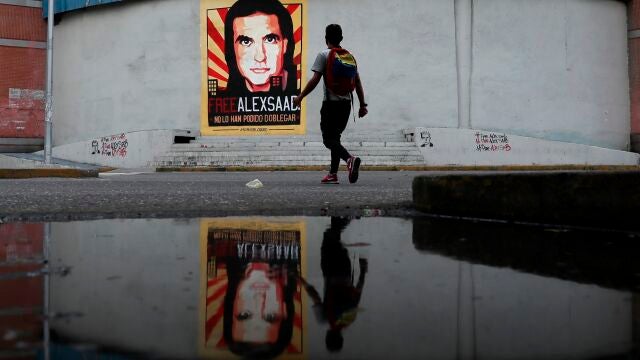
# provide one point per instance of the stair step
(282, 152)
(279, 163)
(399, 137)
(388, 149)
(287, 145)
(278, 158)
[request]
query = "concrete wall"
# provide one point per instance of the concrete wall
(443, 147)
(124, 68)
(406, 54)
(547, 69)
(552, 69)
(127, 150)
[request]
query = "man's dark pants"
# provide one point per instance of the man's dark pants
(334, 117)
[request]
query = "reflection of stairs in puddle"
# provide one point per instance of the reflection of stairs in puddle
(380, 150)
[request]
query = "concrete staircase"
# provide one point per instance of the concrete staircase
(389, 149)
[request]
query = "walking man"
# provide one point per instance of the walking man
(340, 79)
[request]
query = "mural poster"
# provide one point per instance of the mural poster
(251, 302)
(253, 52)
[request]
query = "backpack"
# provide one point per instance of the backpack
(341, 72)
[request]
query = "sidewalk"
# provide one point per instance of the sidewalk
(602, 196)
(28, 165)
(204, 194)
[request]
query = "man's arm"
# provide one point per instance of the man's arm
(309, 88)
(364, 267)
(313, 293)
(360, 92)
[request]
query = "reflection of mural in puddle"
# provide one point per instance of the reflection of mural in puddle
(253, 303)
(458, 290)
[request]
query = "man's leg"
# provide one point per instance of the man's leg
(332, 141)
(340, 111)
(334, 117)
(334, 257)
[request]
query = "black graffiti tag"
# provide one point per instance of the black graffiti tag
(94, 147)
(111, 146)
(425, 139)
(492, 142)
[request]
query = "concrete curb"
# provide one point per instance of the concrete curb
(410, 168)
(40, 173)
(600, 198)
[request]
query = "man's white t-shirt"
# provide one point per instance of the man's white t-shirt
(320, 66)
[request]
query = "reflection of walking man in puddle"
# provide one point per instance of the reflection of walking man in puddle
(341, 296)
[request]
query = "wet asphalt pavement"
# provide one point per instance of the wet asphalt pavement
(131, 195)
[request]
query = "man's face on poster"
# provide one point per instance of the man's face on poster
(259, 48)
(258, 307)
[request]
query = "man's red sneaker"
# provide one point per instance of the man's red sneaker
(330, 179)
(353, 165)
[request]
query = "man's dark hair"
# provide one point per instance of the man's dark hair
(333, 34)
(334, 340)
(242, 8)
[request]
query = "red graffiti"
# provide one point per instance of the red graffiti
(111, 146)
(492, 142)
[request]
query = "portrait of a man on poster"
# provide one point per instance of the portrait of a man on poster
(259, 48)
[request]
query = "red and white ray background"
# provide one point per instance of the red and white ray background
(217, 66)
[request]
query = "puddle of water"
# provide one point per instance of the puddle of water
(315, 287)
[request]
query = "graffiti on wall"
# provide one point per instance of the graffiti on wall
(424, 139)
(252, 66)
(22, 113)
(492, 142)
(110, 146)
